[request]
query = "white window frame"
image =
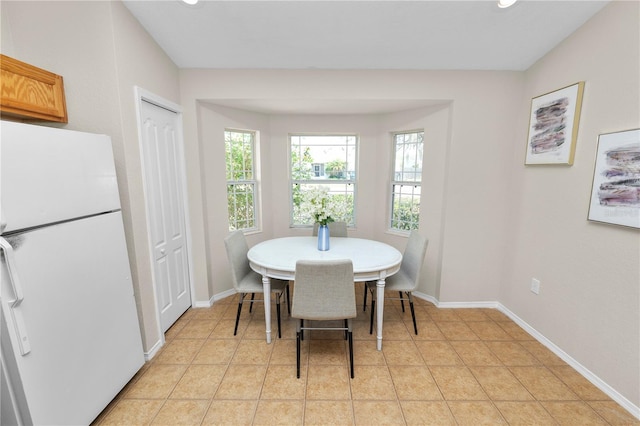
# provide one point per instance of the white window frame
(396, 180)
(253, 182)
(350, 181)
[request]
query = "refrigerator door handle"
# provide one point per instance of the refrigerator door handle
(3, 223)
(16, 314)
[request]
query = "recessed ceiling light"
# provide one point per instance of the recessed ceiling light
(190, 2)
(505, 3)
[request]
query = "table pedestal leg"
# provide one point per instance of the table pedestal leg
(380, 310)
(266, 286)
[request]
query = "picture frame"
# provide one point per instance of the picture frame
(615, 192)
(553, 126)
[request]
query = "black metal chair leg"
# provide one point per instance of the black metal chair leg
(346, 327)
(253, 295)
(373, 306)
(401, 300)
(413, 314)
(235, 330)
(351, 351)
(364, 304)
(278, 315)
(301, 331)
(288, 301)
(298, 354)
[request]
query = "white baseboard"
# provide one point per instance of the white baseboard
(148, 356)
(595, 380)
(202, 304)
(215, 298)
(224, 295)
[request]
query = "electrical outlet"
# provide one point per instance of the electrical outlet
(535, 286)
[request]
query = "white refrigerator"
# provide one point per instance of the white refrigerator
(70, 333)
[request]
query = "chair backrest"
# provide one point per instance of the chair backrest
(413, 256)
(324, 290)
(336, 229)
(237, 249)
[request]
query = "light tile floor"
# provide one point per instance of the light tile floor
(465, 367)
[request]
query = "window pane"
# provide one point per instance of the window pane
(407, 178)
(329, 161)
(323, 157)
(408, 161)
(240, 201)
(405, 207)
(239, 156)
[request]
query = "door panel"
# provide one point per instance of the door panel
(165, 199)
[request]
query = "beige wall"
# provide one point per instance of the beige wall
(589, 303)
(468, 145)
(102, 52)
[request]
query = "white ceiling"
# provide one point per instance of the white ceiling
(357, 34)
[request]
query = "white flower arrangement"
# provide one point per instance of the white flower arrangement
(321, 205)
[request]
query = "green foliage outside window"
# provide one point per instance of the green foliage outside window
(301, 167)
(240, 202)
(336, 169)
(406, 180)
(241, 184)
(406, 215)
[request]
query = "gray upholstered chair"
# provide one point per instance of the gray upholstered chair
(336, 229)
(406, 279)
(245, 280)
(324, 291)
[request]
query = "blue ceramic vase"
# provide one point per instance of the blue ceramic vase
(323, 238)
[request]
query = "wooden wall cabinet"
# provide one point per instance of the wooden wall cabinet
(28, 92)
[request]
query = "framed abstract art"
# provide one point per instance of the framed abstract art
(553, 126)
(615, 194)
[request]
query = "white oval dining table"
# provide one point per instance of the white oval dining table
(372, 261)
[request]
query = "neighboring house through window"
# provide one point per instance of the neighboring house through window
(327, 162)
(406, 180)
(318, 170)
(240, 149)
